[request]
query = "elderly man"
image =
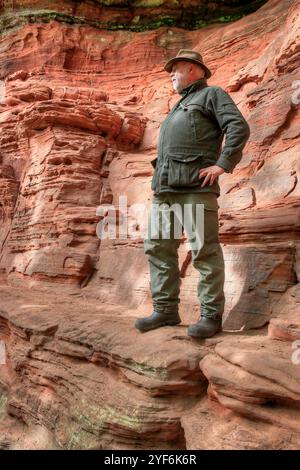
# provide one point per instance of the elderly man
(189, 160)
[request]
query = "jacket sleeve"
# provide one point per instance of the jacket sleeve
(232, 123)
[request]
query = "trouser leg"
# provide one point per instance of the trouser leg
(163, 257)
(208, 258)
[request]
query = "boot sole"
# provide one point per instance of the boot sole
(159, 326)
(203, 336)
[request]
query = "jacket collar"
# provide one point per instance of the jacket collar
(198, 84)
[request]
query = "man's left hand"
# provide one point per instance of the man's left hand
(211, 173)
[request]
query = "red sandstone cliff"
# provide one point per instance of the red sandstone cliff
(79, 118)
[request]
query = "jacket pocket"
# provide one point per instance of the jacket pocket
(184, 170)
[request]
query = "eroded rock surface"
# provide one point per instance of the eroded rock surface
(80, 113)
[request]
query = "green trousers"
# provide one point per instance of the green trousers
(161, 243)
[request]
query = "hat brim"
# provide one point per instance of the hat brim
(169, 64)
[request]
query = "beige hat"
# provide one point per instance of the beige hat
(189, 56)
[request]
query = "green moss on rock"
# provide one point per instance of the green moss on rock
(176, 16)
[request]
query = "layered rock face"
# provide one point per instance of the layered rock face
(134, 15)
(80, 113)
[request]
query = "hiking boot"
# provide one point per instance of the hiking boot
(205, 327)
(156, 320)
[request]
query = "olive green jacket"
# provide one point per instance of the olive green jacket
(191, 138)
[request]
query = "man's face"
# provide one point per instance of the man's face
(180, 75)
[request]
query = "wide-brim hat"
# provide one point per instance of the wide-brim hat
(189, 56)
